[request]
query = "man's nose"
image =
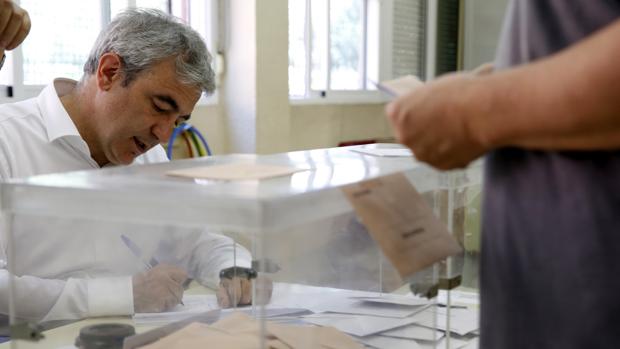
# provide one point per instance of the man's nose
(163, 129)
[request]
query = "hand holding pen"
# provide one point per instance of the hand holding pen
(160, 287)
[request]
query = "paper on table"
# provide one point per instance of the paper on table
(358, 325)
(239, 330)
(236, 172)
(312, 298)
(472, 344)
(287, 300)
(384, 152)
(458, 297)
(377, 309)
(462, 321)
(388, 298)
(414, 332)
(401, 222)
(196, 335)
(311, 337)
(381, 342)
(193, 304)
(454, 344)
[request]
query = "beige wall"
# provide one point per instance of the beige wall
(311, 126)
(319, 126)
(254, 113)
(263, 121)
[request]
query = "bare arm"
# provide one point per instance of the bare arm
(568, 101)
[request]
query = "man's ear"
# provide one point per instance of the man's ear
(109, 70)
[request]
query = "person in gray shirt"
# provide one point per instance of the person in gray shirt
(548, 120)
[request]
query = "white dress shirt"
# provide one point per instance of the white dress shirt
(70, 269)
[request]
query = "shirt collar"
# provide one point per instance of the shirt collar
(57, 121)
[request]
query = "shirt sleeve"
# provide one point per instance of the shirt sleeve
(42, 300)
(203, 254)
(215, 252)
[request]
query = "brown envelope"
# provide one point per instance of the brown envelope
(397, 217)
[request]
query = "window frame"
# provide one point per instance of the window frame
(366, 94)
(21, 91)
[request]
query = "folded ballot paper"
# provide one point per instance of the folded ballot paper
(239, 330)
(401, 223)
(325, 318)
(235, 172)
(400, 86)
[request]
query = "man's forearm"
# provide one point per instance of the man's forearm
(569, 101)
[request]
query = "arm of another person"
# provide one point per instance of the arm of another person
(567, 101)
(14, 25)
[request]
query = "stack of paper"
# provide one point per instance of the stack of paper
(241, 331)
(374, 319)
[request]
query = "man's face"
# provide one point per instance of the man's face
(132, 119)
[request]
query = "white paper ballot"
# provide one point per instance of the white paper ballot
(358, 325)
(415, 332)
(192, 305)
(472, 344)
(454, 344)
(381, 342)
(377, 309)
(462, 321)
(400, 86)
(235, 172)
(394, 299)
(458, 297)
(385, 152)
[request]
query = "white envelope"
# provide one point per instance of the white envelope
(358, 325)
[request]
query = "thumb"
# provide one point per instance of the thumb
(391, 110)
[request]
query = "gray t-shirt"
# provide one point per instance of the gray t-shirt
(550, 268)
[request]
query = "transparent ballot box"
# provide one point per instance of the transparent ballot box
(235, 251)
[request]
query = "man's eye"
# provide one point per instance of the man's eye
(158, 109)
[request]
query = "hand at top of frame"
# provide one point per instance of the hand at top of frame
(14, 25)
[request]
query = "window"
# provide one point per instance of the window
(63, 32)
(339, 48)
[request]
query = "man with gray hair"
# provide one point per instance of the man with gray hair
(144, 74)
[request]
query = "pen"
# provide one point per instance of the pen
(136, 251)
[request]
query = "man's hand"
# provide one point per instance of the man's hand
(158, 289)
(238, 291)
(432, 121)
(14, 25)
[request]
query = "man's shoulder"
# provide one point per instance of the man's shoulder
(19, 111)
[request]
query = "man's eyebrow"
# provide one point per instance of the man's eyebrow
(169, 100)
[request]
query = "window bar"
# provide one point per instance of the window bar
(106, 15)
(308, 40)
(185, 11)
(329, 47)
(364, 61)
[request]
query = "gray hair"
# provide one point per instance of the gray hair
(144, 37)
